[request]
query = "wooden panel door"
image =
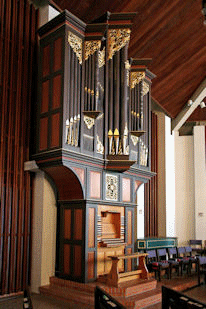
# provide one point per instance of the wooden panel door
(72, 244)
(129, 236)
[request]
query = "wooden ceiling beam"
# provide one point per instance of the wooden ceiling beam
(196, 98)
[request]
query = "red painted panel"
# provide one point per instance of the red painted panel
(95, 184)
(45, 97)
(91, 260)
(56, 92)
(57, 60)
(55, 130)
(43, 134)
(77, 261)
(80, 173)
(78, 224)
(126, 190)
(91, 237)
(67, 268)
(67, 223)
(46, 61)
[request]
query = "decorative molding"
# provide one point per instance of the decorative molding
(76, 44)
(136, 78)
(101, 58)
(90, 47)
(100, 147)
(145, 88)
(111, 187)
(117, 39)
(89, 122)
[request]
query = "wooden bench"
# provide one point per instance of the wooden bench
(114, 277)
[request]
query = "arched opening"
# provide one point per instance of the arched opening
(71, 214)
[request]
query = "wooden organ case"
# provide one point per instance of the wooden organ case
(93, 137)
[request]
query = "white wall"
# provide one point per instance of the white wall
(43, 233)
(200, 182)
(170, 179)
(184, 188)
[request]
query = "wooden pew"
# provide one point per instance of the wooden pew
(114, 277)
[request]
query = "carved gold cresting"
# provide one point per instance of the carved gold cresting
(90, 47)
(117, 39)
(145, 88)
(76, 44)
(101, 57)
(136, 77)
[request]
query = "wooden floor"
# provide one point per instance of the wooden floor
(182, 283)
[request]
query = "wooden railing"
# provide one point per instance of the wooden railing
(174, 299)
(114, 278)
(105, 301)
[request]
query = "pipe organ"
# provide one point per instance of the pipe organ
(93, 137)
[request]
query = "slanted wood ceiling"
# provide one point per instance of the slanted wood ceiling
(171, 32)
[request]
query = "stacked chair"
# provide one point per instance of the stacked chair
(193, 259)
(173, 260)
(183, 259)
(156, 265)
(178, 258)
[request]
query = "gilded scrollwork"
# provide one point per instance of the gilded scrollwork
(136, 77)
(101, 58)
(90, 47)
(111, 187)
(76, 44)
(100, 147)
(117, 39)
(145, 88)
(89, 122)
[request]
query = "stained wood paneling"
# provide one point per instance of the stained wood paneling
(46, 61)
(17, 50)
(77, 261)
(78, 224)
(91, 234)
(129, 227)
(91, 263)
(67, 223)
(67, 267)
(43, 143)
(45, 97)
(55, 126)
(57, 54)
(151, 206)
(56, 97)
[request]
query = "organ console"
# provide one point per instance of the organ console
(93, 137)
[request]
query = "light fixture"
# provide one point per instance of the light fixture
(189, 103)
(202, 104)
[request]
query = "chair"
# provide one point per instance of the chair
(196, 245)
(155, 265)
(192, 258)
(173, 260)
(183, 259)
(201, 267)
